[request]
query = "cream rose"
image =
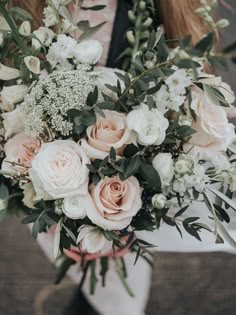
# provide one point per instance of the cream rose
(115, 202)
(74, 207)
(59, 170)
(107, 132)
(89, 52)
(148, 127)
(214, 132)
(13, 122)
(20, 149)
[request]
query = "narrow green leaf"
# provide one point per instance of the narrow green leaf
(91, 31)
(223, 197)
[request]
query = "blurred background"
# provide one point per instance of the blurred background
(181, 284)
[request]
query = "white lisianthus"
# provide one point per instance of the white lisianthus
(25, 28)
(159, 201)
(75, 207)
(59, 170)
(93, 241)
(50, 18)
(164, 165)
(148, 127)
(4, 25)
(33, 64)
(13, 122)
(8, 73)
(44, 37)
(88, 52)
(178, 81)
(11, 95)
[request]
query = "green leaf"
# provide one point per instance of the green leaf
(94, 8)
(20, 14)
(2, 214)
(190, 220)
(230, 48)
(206, 43)
(191, 231)
(132, 166)
(181, 211)
(93, 278)
(112, 154)
(30, 219)
(72, 236)
(4, 192)
(35, 229)
(225, 234)
(83, 25)
(91, 31)
(223, 197)
(151, 176)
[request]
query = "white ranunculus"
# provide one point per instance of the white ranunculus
(4, 25)
(44, 37)
(59, 170)
(13, 122)
(148, 127)
(8, 73)
(159, 201)
(11, 95)
(88, 52)
(75, 207)
(25, 28)
(33, 64)
(164, 165)
(93, 241)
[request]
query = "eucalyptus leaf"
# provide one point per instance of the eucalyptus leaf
(91, 31)
(225, 234)
(56, 240)
(223, 197)
(94, 8)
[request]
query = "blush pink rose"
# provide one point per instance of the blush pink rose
(214, 132)
(115, 202)
(107, 132)
(20, 149)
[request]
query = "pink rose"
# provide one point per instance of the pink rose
(20, 149)
(116, 202)
(107, 132)
(214, 132)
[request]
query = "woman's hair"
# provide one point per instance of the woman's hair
(178, 16)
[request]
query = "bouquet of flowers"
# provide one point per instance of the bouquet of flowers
(94, 155)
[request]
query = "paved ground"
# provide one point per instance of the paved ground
(191, 284)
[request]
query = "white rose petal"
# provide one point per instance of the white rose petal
(13, 122)
(25, 28)
(8, 73)
(164, 165)
(148, 126)
(88, 52)
(11, 95)
(33, 64)
(75, 207)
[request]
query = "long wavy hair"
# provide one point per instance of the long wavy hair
(178, 17)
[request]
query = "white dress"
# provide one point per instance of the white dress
(113, 299)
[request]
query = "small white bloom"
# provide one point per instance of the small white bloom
(93, 241)
(67, 26)
(147, 126)
(44, 37)
(88, 52)
(33, 64)
(178, 81)
(7, 73)
(179, 186)
(11, 95)
(50, 18)
(4, 25)
(75, 207)
(25, 28)
(159, 201)
(13, 122)
(164, 165)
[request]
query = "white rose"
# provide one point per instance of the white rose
(147, 126)
(8, 73)
(33, 64)
(164, 165)
(159, 201)
(44, 37)
(93, 241)
(11, 95)
(89, 52)
(59, 170)
(25, 28)
(13, 122)
(75, 207)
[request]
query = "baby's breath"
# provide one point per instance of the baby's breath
(50, 99)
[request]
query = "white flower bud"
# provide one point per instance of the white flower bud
(182, 167)
(159, 201)
(25, 28)
(163, 164)
(33, 64)
(148, 22)
(200, 11)
(131, 16)
(7, 73)
(130, 37)
(222, 23)
(142, 5)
